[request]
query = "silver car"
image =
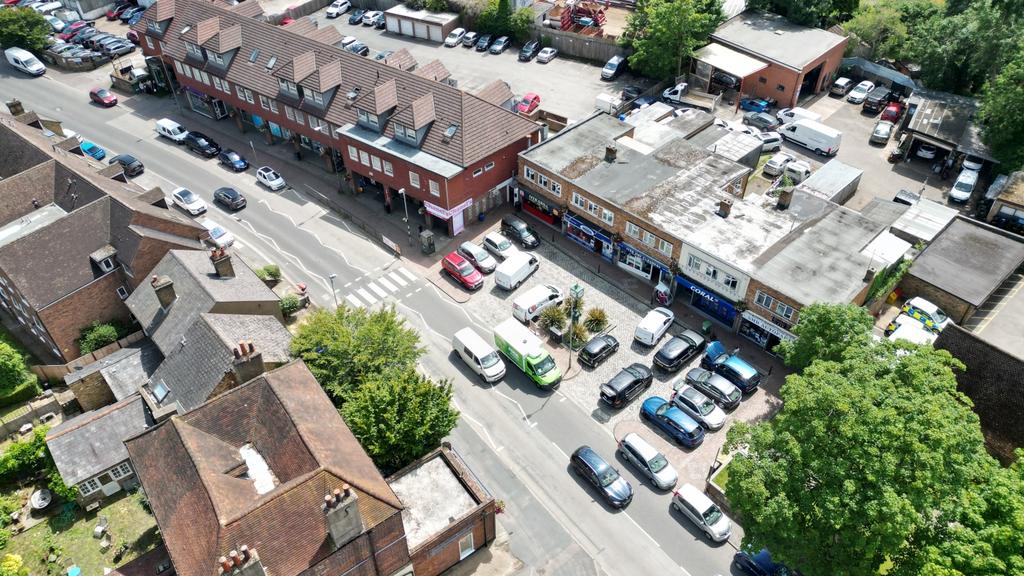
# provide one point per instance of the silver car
(699, 407)
(777, 164)
(882, 132)
(860, 92)
(648, 460)
(478, 257)
(700, 510)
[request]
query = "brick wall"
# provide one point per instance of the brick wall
(442, 552)
(753, 306)
(766, 83)
(389, 544)
(252, 308)
(957, 309)
(95, 302)
(93, 392)
(147, 256)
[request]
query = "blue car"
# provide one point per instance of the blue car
(731, 367)
(672, 421)
(93, 150)
(754, 105)
(233, 160)
(761, 564)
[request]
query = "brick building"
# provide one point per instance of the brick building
(394, 130)
(73, 241)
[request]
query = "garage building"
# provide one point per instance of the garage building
(433, 26)
(946, 121)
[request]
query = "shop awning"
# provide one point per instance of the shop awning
(729, 60)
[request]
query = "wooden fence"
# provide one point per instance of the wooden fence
(590, 48)
(51, 372)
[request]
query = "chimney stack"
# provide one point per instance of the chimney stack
(869, 275)
(15, 107)
(343, 520)
(247, 363)
(225, 565)
(244, 550)
(724, 207)
(785, 198)
(610, 152)
(164, 288)
(241, 562)
(222, 263)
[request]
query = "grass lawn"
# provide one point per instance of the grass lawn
(128, 522)
(722, 476)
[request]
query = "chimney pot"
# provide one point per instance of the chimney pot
(785, 198)
(250, 347)
(235, 558)
(337, 496)
(328, 501)
(225, 566)
(153, 281)
(244, 550)
(236, 353)
(724, 207)
(347, 489)
(869, 275)
(610, 153)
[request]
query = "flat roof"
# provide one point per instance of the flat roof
(1013, 190)
(942, 115)
(830, 179)
(422, 15)
(725, 58)
(775, 38)
(432, 496)
(29, 223)
(925, 219)
(969, 260)
(411, 154)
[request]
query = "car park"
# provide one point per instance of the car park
(926, 313)
(715, 387)
(480, 356)
(731, 367)
(672, 421)
(653, 326)
(651, 463)
(547, 55)
(515, 228)
(699, 407)
(679, 350)
(478, 257)
(612, 487)
(614, 67)
(337, 8)
(216, 234)
(597, 350)
(454, 37)
(201, 143)
(90, 149)
(626, 385)
(500, 45)
(357, 16)
(127, 16)
(926, 151)
(529, 102)
(777, 163)
(188, 201)
(529, 51)
(72, 29)
(233, 160)
(119, 48)
(823, 140)
(469, 40)
(512, 272)
(358, 48)
(376, 20)
(860, 92)
(129, 164)
(705, 514)
(499, 245)
(770, 141)
(462, 271)
(754, 105)
(229, 198)
(877, 99)
(761, 120)
(270, 178)
(882, 132)
(760, 564)
(484, 42)
(841, 87)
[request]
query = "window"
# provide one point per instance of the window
(373, 122)
(664, 247)
(488, 166)
(206, 77)
(160, 391)
(193, 50)
(542, 180)
(122, 292)
(608, 216)
(556, 188)
(578, 200)
(694, 262)
(248, 97)
(288, 87)
(375, 162)
(317, 97)
(217, 84)
(466, 546)
(254, 55)
(353, 154)
(632, 230)
(711, 272)
(273, 104)
(225, 86)
(364, 158)
(762, 80)
(648, 238)
(319, 125)
(764, 300)
(592, 208)
(215, 57)
(529, 173)
(785, 310)
(264, 103)
(121, 470)
(731, 282)
(414, 179)
(780, 88)
(91, 485)
(434, 189)
(240, 92)
(177, 68)
(149, 42)
(188, 71)
(478, 172)
(388, 169)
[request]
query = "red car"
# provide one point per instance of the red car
(72, 29)
(132, 37)
(461, 270)
(286, 21)
(893, 112)
(103, 97)
(529, 103)
(115, 12)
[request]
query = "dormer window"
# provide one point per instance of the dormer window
(288, 87)
(217, 58)
(317, 97)
(371, 121)
(407, 135)
(107, 264)
(160, 391)
(193, 50)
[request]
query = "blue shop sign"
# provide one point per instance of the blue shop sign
(711, 303)
(586, 228)
(634, 252)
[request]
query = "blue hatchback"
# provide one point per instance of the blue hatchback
(754, 105)
(672, 421)
(731, 367)
(93, 150)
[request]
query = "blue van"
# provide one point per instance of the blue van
(731, 367)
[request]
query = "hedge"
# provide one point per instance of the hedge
(26, 391)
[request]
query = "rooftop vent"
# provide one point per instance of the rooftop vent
(610, 153)
(271, 62)
(184, 30)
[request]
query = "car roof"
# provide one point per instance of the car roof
(591, 458)
(455, 258)
(967, 175)
(923, 305)
(495, 237)
(691, 494)
(642, 447)
(740, 365)
(682, 418)
(597, 343)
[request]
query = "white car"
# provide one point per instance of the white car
(56, 23)
(742, 128)
(455, 37)
(497, 244)
(699, 407)
(370, 17)
(270, 178)
(547, 55)
(973, 163)
(964, 186)
(348, 41)
(219, 237)
(338, 7)
(188, 201)
(777, 163)
(770, 141)
(860, 92)
(653, 326)
(695, 505)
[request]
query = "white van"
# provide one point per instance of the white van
(480, 356)
(798, 171)
(790, 115)
(24, 60)
(813, 135)
(528, 305)
(171, 130)
(515, 270)
(48, 7)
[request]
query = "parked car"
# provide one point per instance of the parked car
(348, 41)
(103, 97)
(518, 230)
(83, 34)
(270, 178)
(133, 37)
(973, 163)
(770, 141)
(705, 514)
(761, 120)
(614, 67)
(529, 51)
(131, 165)
(926, 151)
(715, 387)
(841, 87)
(357, 16)
(528, 103)
(547, 55)
(119, 48)
(454, 37)
(882, 132)
(381, 56)
(760, 564)
(860, 92)
(229, 198)
(499, 245)
(188, 201)
(964, 186)
(725, 79)
(612, 487)
(358, 48)
(117, 9)
(653, 326)
(645, 458)
(797, 171)
(130, 13)
(216, 234)
(462, 271)
(500, 45)
(731, 367)
(933, 317)
(233, 160)
(469, 40)
(337, 8)
(877, 99)
(754, 105)
(679, 350)
(893, 111)
(376, 20)
(201, 143)
(631, 92)
(699, 407)
(73, 28)
(55, 23)
(478, 257)
(597, 350)
(626, 385)
(484, 42)
(672, 421)
(93, 150)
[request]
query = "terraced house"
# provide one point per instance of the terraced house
(392, 130)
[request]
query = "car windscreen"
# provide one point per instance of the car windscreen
(187, 196)
(464, 268)
(489, 360)
(545, 366)
(217, 232)
(657, 464)
(712, 515)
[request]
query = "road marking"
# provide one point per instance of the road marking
(642, 531)
(353, 300)
(397, 279)
(409, 294)
(380, 291)
(366, 296)
(347, 285)
(407, 274)
(383, 281)
(560, 451)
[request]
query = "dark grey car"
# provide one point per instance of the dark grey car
(679, 350)
(602, 476)
(598, 349)
(715, 387)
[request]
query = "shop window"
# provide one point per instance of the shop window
(414, 179)
(785, 310)
(608, 216)
(764, 300)
(434, 188)
(780, 88)
(388, 169)
(632, 230)
(578, 200)
(731, 282)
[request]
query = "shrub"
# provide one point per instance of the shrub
(56, 485)
(269, 272)
(29, 389)
(552, 317)
(573, 304)
(5, 537)
(579, 336)
(13, 372)
(596, 320)
(437, 5)
(25, 458)
(520, 24)
(290, 304)
(97, 336)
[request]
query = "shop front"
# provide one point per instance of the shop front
(537, 206)
(455, 215)
(640, 265)
(205, 105)
(716, 307)
(590, 237)
(764, 333)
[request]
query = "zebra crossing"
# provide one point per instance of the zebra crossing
(379, 288)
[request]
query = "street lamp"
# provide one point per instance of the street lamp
(333, 293)
(576, 295)
(408, 227)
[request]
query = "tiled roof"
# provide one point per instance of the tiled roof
(485, 128)
(401, 59)
(204, 508)
(226, 40)
(93, 442)
(433, 70)
(497, 92)
(124, 371)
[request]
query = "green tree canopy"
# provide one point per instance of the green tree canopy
(825, 332)
(13, 371)
(344, 347)
(97, 336)
(880, 27)
(1001, 105)
(400, 415)
(23, 28)
(664, 33)
(820, 13)
(858, 462)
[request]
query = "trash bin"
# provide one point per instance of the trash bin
(427, 242)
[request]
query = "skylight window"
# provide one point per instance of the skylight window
(184, 30)
(160, 391)
(271, 62)
(255, 54)
(450, 132)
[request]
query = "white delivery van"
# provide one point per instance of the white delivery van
(813, 135)
(515, 270)
(528, 305)
(790, 115)
(171, 130)
(24, 60)
(798, 171)
(480, 356)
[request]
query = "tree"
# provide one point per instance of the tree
(552, 317)
(819, 13)
(23, 28)
(825, 332)
(1000, 113)
(855, 467)
(13, 372)
(344, 347)
(400, 415)
(12, 565)
(880, 27)
(521, 24)
(437, 5)
(97, 336)
(664, 33)
(496, 18)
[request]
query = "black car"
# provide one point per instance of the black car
(358, 48)
(761, 564)
(233, 160)
(484, 43)
(357, 16)
(626, 385)
(381, 23)
(679, 350)
(515, 229)
(598, 349)
(529, 51)
(229, 197)
(877, 99)
(725, 79)
(602, 476)
(716, 387)
(631, 92)
(201, 143)
(131, 165)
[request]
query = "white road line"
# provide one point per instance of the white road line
(366, 296)
(560, 451)
(347, 285)
(353, 300)
(380, 291)
(409, 294)
(397, 278)
(383, 281)
(642, 531)
(407, 274)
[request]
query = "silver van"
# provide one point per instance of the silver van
(480, 356)
(696, 506)
(511, 273)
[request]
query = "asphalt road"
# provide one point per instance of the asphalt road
(515, 438)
